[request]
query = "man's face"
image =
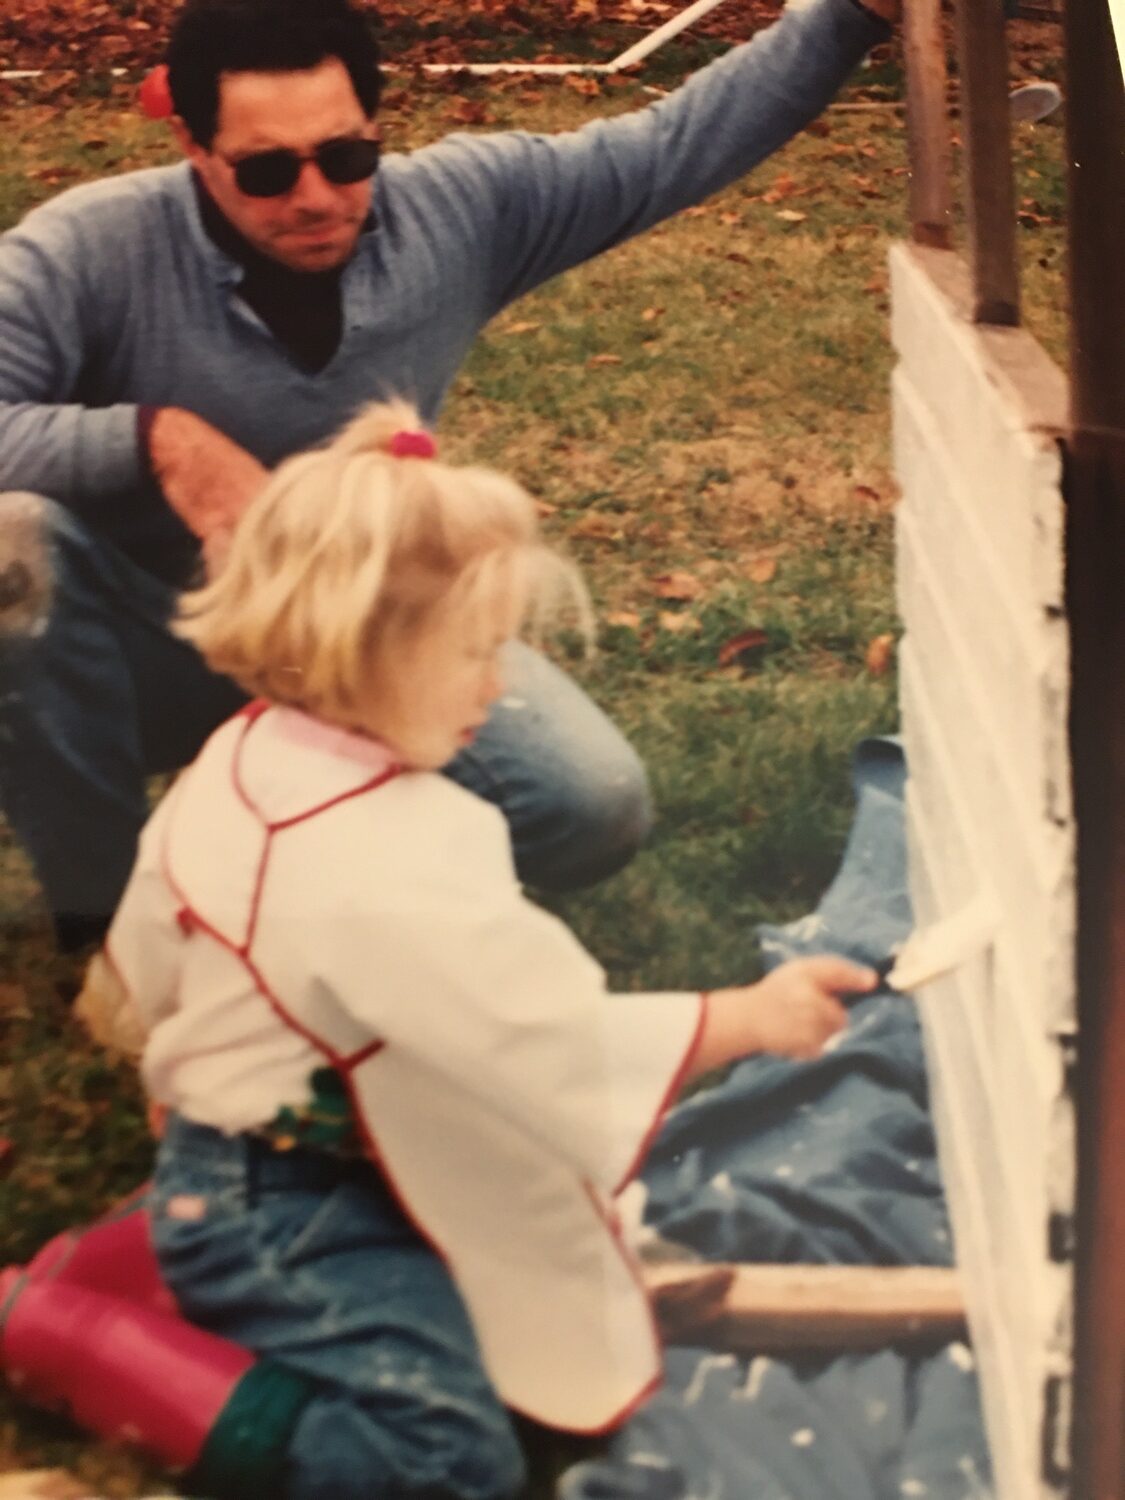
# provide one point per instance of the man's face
(315, 225)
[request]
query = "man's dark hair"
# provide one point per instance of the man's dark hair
(212, 37)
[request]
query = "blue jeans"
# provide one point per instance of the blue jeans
(96, 694)
(309, 1260)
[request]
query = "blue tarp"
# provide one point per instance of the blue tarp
(829, 1162)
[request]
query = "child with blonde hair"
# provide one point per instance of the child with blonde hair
(401, 1102)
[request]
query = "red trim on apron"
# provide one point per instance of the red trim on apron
(670, 1093)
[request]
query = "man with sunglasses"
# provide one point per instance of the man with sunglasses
(167, 335)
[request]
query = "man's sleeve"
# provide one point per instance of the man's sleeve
(550, 202)
(466, 976)
(54, 438)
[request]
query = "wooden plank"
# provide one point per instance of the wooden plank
(773, 1309)
(990, 184)
(927, 124)
(1096, 547)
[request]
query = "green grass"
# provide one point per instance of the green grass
(740, 438)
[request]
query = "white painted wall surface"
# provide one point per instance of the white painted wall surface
(984, 688)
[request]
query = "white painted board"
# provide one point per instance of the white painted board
(984, 694)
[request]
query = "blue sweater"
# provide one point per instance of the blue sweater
(112, 295)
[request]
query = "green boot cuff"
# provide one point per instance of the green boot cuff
(244, 1454)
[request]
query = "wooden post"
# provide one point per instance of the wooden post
(982, 51)
(1096, 606)
(927, 124)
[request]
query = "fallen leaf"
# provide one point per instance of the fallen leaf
(745, 649)
(865, 492)
(880, 655)
(624, 619)
(790, 215)
(678, 586)
(604, 359)
(545, 508)
(52, 175)
(730, 220)
(784, 186)
(679, 624)
(522, 328)
(588, 86)
(651, 314)
(762, 569)
(468, 112)
(596, 525)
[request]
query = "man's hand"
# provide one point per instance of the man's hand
(207, 479)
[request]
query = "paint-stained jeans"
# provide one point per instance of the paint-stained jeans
(310, 1261)
(96, 694)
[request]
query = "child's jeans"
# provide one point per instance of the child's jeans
(308, 1259)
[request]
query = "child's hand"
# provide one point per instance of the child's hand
(794, 1011)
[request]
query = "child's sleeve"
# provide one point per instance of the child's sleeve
(145, 941)
(488, 990)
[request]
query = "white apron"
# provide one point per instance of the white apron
(298, 901)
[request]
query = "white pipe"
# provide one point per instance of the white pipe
(635, 54)
(13, 75)
(539, 69)
(665, 33)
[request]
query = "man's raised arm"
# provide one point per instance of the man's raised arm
(552, 201)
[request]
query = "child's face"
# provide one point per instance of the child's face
(437, 692)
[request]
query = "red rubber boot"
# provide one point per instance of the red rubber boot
(126, 1371)
(114, 1256)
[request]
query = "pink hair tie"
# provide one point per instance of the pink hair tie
(156, 94)
(412, 445)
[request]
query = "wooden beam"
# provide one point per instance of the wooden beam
(982, 52)
(927, 124)
(775, 1309)
(1096, 606)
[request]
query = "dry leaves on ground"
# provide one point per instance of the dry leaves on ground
(880, 655)
(679, 586)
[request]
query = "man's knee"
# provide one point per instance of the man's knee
(28, 526)
(605, 814)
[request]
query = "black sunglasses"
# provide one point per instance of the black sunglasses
(269, 174)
